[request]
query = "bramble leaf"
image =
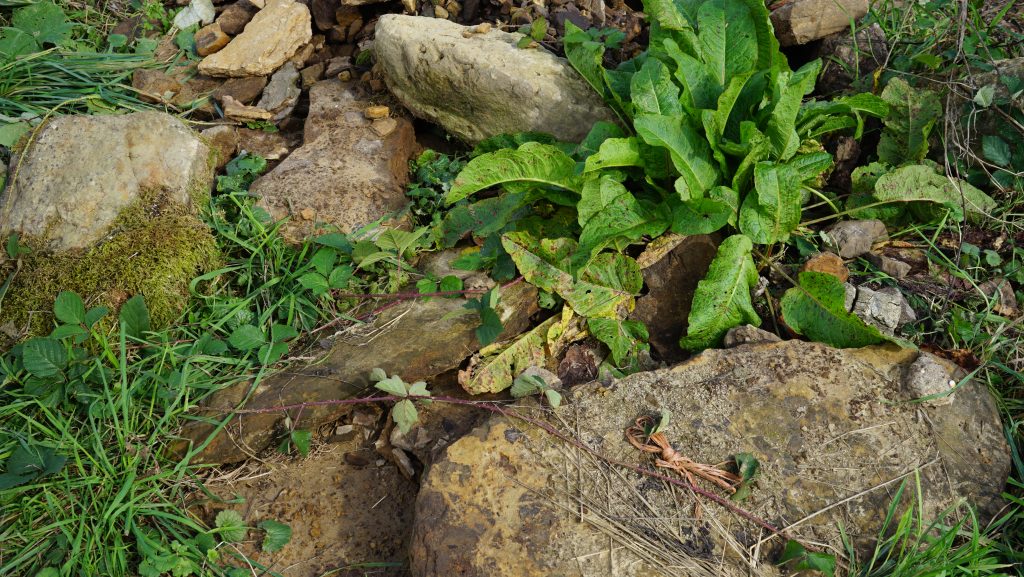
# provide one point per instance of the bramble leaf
(277, 535)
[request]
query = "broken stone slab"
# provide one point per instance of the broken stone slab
(244, 90)
(416, 340)
(282, 92)
(831, 429)
(345, 174)
(802, 21)
(483, 85)
(672, 267)
(852, 238)
(886, 309)
(82, 171)
(747, 334)
(273, 36)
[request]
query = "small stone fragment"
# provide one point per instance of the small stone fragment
(345, 75)
(853, 238)
(282, 92)
(747, 334)
(307, 214)
(1006, 300)
(384, 126)
(440, 12)
(827, 263)
(895, 268)
(886, 308)
(245, 90)
(234, 18)
(235, 110)
(311, 74)
(336, 65)
(375, 112)
(926, 377)
(155, 86)
(269, 145)
(210, 39)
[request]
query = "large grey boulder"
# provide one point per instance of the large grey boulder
(80, 172)
(480, 85)
(834, 432)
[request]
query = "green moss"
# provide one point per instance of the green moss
(154, 248)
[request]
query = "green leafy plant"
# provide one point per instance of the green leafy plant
(526, 385)
(404, 412)
(708, 142)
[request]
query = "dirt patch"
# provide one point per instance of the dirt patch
(346, 520)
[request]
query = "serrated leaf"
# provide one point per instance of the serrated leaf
(280, 333)
(816, 309)
(532, 162)
(315, 282)
(405, 415)
(419, 389)
(772, 210)
(985, 95)
(69, 308)
(270, 353)
(451, 283)
(247, 338)
(277, 535)
(65, 331)
(323, 260)
(393, 385)
(340, 277)
(15, 42)
(481, 218)
(44, 357)
(232, 526)
(301, 438)
(135, 316)
(526, 385)
(378, 374)
(94, 314)
(490, 326)
(722, 298)
(625, 338)
(996, 150)
(912, 115)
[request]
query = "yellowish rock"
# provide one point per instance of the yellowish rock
(375, 112)
(273, 36)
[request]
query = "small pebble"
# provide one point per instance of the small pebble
(384, 126)
(440, 12)
(345, 75)
(375, 112)
(307, 214)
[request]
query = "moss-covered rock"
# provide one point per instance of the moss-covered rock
(150, 239)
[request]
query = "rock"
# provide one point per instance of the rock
(323, 12)
(312, 74)
(416, 340)
(234, 18)
(579, 365)
(483, 85)
(897, 269)
(155, 86)
(244, 90)
(827, 263)
(672, 268)
(549, 378)
(829, 427)
(846, 60)
(273, 36)
(269, 145)
(336, 65)
(375, 112)
(384, 126)
(928, 376)
(235, 110)
(1005, 299)
(282, 92)
(109, 206)
(801, 21)
(224, 140)
(82, 171)
(885, 308)
(747, 334)
(853, 238)
(210, 39)
(360, 2)
(195, 92)
(344, 172)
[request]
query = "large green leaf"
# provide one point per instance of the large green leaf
(609, 212)
(532, 162)
(609, 281)
(495, 373)
(921, 189)
(689, 151)
(653, 91)
(625, 338)
(482, 218)
(722, 299)
(615, 153)
(44, 21)
(912, 115)
(772, 210)
(789, 90)
(586, 56)
(700, 87)
(700, 216)
(44, 357)
(816, 309)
